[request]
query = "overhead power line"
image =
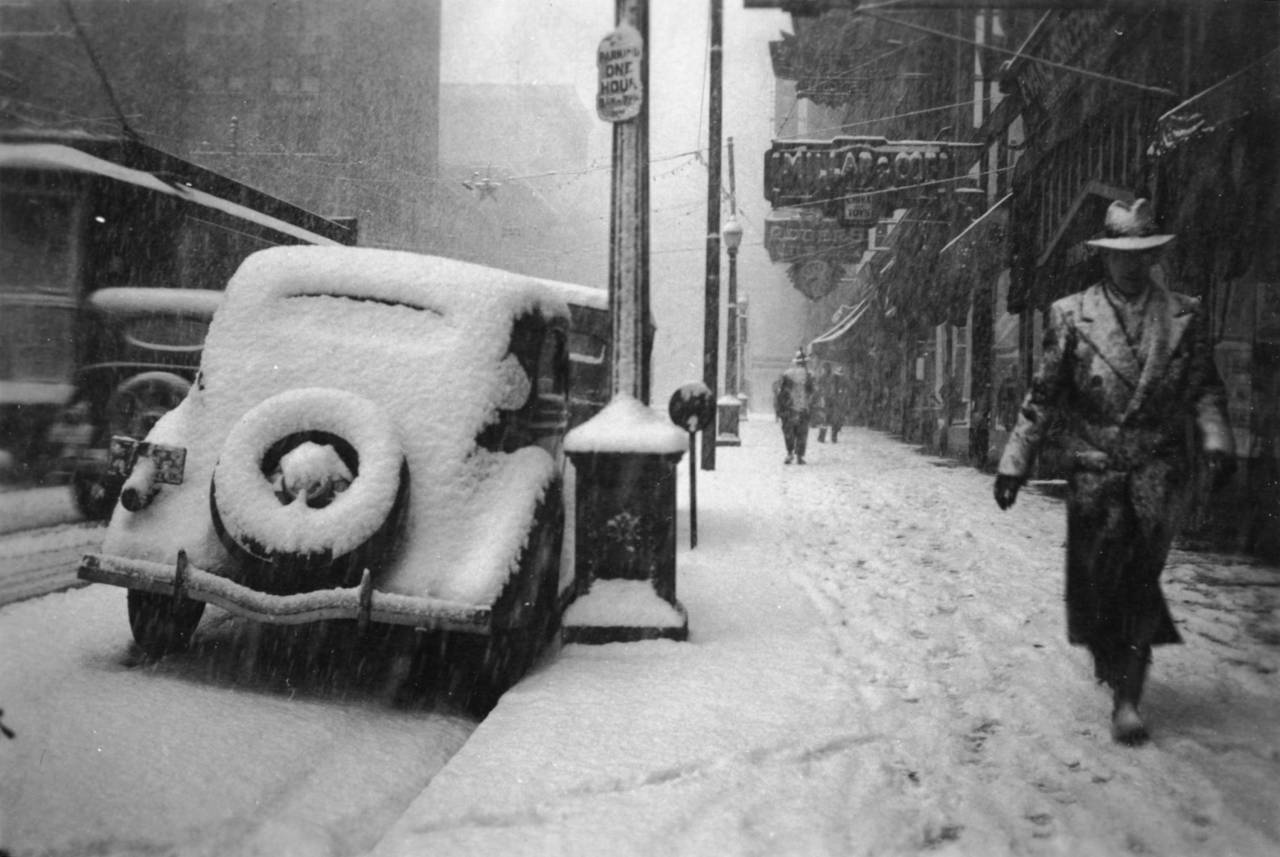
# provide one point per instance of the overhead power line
(1029, 57)
(888, 118)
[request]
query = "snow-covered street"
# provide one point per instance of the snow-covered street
(877, 665)
(245, 745)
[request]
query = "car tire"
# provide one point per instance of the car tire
(284, 548)
(162, 624)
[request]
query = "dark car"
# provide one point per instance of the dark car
(145, 346)
(112, 256)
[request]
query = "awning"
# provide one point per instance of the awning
(844, 325)
(1249, 89)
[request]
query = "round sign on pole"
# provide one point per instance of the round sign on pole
(692, 407)
(619, 60)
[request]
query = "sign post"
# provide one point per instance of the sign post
(626, 480)
(620, 99)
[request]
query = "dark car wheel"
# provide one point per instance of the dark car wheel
(162, 624)
(487, 666)
(287, 544)
(138, 402)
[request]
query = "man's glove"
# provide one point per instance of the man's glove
(1007, 490)
(1221, 468)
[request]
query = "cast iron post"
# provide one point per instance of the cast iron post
(625, 457)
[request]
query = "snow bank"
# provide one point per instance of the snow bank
(629, 603)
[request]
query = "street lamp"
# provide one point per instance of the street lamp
(729, 406)
(732, 235)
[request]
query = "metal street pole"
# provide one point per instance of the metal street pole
(711, 309)
(731, 328)
(731, 323)
(629, 228)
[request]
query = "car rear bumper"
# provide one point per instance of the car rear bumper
(363, 603)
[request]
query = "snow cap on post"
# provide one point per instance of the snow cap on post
(627, 425)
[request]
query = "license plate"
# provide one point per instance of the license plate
(169, 461)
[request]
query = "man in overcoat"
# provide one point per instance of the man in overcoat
(792, 404)
(1127, 381)
(821, 414)
(837, 402)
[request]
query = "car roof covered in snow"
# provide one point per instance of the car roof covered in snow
(448, 287)
(135, 300)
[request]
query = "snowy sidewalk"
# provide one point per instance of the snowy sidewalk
(876, 665)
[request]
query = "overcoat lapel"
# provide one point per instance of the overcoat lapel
(1162, 327)
(1099, 327)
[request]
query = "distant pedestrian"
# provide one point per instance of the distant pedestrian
(837, 402)
(1128, 382)
(792, 403)
(819, 415)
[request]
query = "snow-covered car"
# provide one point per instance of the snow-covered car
(374, 436)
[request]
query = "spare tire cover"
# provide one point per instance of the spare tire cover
(245, 501)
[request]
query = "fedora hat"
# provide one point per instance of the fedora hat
(1130, 226)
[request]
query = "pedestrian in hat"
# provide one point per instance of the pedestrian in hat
(1127, 382)
(821, 413)
(837, 402)
(792, 403)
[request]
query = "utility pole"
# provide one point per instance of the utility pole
(711, 320)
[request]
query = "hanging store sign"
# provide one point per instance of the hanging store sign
(815, 278)
(619, 61)
(859, 211)
(808, 171)
(791, 238)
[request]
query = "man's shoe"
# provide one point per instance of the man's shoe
(800, 461)
(1127, 727)
(788, 461)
